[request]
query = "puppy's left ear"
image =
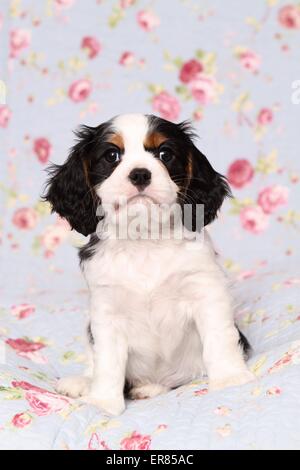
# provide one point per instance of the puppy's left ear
(206, 186)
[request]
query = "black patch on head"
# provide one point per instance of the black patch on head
(70, 187)
(88, 250)
(244, 343)
(199, 183)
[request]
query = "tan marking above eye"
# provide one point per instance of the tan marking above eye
(116, 139)
(154, 140)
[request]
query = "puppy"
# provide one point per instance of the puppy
(161, 313)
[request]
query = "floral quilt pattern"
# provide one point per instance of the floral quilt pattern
(234, 71)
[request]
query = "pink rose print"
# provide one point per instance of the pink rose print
(43, 404)
(289, 16)
(274, 391)
(64, 3)
(91, 45)
(246, 275)
(250, 60)
(126, 59)
(253, 219)
(25, 218)
(22, 311)
(240, 173)
(202, 391)
(127, 3)
(28, 349)
(136, 442)
(265, 116)
(96, 444)
(42, 149)
(54, 235)
(203, 88)
(19, 40)
(224, 431)
(162, 427)
(27, 386)
(166, 105)
(272, 197)
(21, 420)
(80, 90)
(292, 281)
(222, 411)
(147, 20)
(5, 115)
(197, 115)
(284, 361)
(24, 345)
(190, 70)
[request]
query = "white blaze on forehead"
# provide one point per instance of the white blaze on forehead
(133, 129)
(130, 132)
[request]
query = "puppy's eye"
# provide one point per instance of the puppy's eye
(112, 156)
(165, 155)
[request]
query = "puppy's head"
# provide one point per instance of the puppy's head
(133, 157)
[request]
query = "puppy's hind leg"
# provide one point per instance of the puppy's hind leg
(147, 391)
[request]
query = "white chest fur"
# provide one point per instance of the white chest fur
(151, 289)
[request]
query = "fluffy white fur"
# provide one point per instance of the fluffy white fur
(160, 310)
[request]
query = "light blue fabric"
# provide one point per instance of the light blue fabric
(254, 61)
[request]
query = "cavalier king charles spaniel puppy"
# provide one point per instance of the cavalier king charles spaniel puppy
(161, 313)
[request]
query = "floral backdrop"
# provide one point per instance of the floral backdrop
(66, 62)
(232, 67)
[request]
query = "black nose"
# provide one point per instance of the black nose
(140, 177)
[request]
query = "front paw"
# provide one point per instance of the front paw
(240, 378)
(73, 386)
(112, 406)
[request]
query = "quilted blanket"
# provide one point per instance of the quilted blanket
(65, 62)
(44, 341)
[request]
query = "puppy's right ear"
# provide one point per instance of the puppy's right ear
(69, 190)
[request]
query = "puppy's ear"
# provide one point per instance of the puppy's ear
(206, 186)
(68, 189)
